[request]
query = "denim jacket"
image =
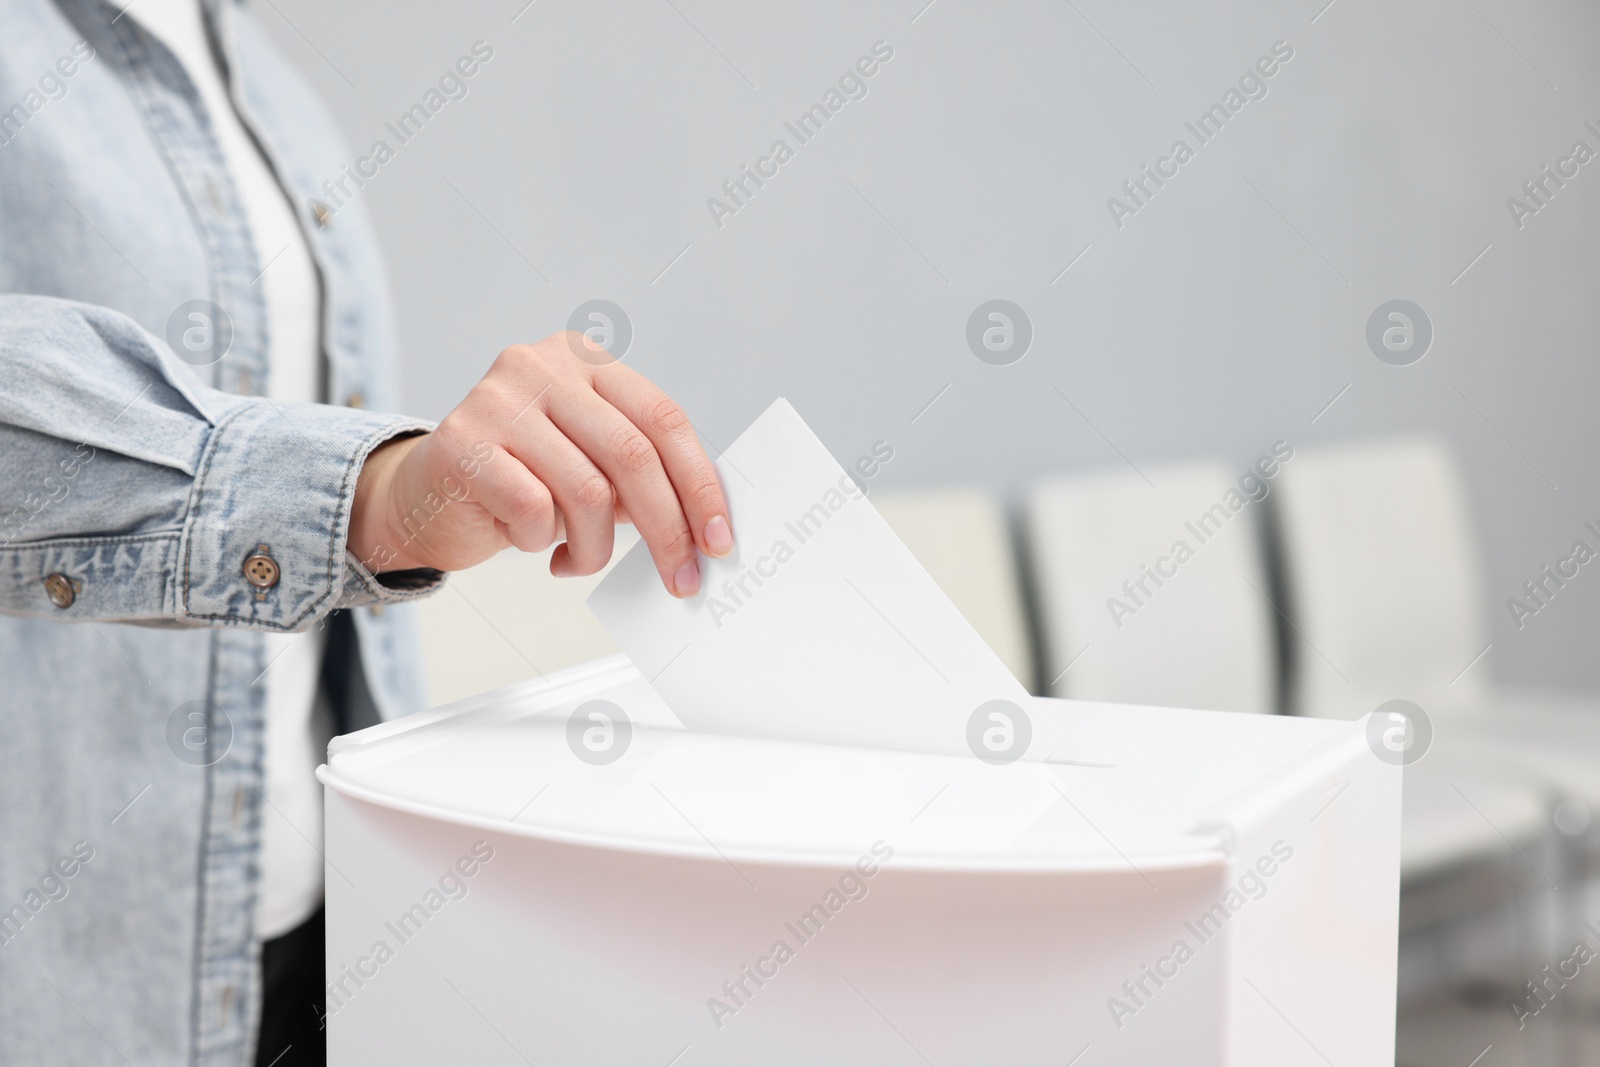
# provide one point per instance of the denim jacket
(157, 515)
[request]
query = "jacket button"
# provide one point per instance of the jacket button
(356, 401)
(260, 569)
(320, 211)
(58, 587)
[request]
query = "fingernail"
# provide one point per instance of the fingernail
(719, 539)
(687, 581)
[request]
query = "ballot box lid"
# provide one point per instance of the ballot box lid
(592, 757)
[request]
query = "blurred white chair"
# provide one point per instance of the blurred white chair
(961, 538)
(1386, 596)
(508, 619)
(1153, 593)
(1385, 582)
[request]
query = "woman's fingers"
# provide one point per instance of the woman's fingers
(581, 492)
(694, 479)
(628, 458)
(569, 447)
(524, 511)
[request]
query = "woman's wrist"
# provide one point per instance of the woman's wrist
(371, 537)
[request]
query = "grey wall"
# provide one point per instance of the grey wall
(1224, 315)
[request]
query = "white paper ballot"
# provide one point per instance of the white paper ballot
(821, 626)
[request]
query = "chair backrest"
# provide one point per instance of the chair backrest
(1153, 591)
(961, 538)
(1383, 578)
(508, 619)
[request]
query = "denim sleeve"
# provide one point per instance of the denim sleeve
(136, 493)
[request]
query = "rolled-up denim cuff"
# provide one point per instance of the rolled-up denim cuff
(264, 543)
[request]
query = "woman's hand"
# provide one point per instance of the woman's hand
(558, 441)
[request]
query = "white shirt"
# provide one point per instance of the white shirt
(296, 734)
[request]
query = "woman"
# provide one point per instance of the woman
(209, 531)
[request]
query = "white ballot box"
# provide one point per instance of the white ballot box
(557, 873)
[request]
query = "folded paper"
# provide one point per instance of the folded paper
(821, 625)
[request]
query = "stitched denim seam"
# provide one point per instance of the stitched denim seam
(96, 542)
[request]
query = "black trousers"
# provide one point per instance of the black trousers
(291, 1014)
